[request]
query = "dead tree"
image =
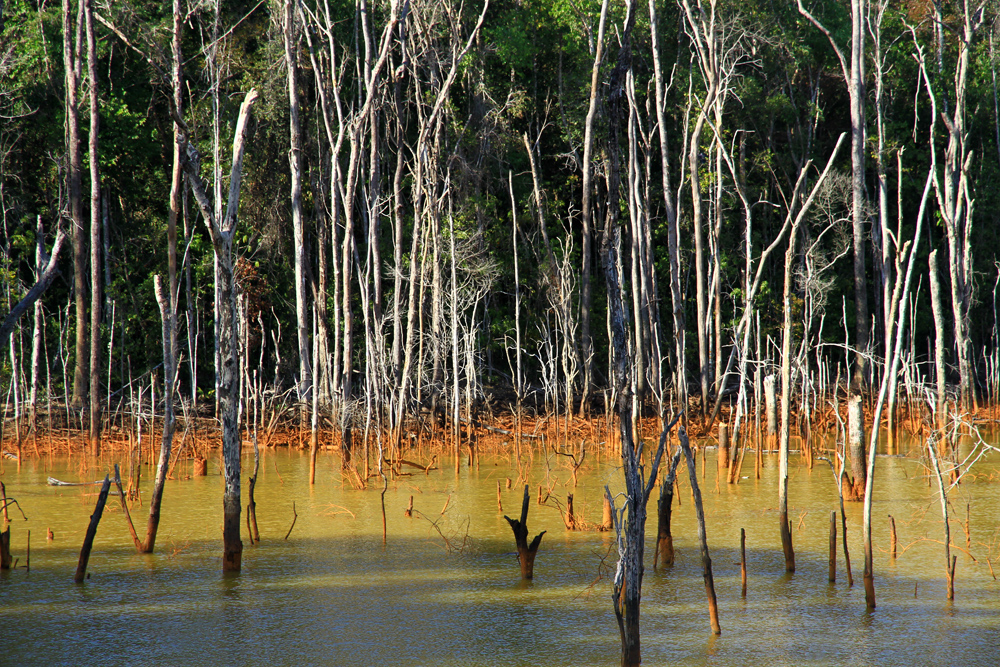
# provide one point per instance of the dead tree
(72, 59)
(88, 540)
(95, 236)
(44, 280)
(664, 538)
(706, 559)
(853, 68)
(525, 552)
(786, 362)
(222, 232)
(586, 343)
(168, 302)
(290, 34)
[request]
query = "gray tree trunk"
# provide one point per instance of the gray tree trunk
(586, 297)
(290, 35)
(222, 240)
(95, 236)
(72, 44)
(937, 308)
(168, 302)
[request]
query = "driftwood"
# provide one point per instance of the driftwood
(525, 552)
(139, 546)
(52, 481)
(393, 463)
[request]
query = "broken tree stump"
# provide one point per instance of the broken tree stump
(723, 450)
(5, 557)
(525, 552)
(569, 519)
(88, 541)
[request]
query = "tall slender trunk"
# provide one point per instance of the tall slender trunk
(290, 33)
(937, 309)
(95, 236)
(677, 302)
(222, 233)
(37, 334)
(72, 44)
(786, 400)
(853, 68)
(168, 302)
(587, 233)
(856, 89)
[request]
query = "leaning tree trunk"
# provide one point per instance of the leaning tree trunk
(168, 302)
(169, 421)
(664, 537)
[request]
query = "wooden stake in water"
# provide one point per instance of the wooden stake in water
(833, 547)
(892, 537)
(743, 561)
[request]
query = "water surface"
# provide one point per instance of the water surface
(332, 594)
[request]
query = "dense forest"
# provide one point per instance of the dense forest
(378, 210)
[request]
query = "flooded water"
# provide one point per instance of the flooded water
(331, 594)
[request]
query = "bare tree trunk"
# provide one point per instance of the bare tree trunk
(222, 239)
(956, 206)
(771, 410)
(525, 552)
(88, 540)
(168, 302)
(290, 35)
(664, 537)
(854, 75)
(169, 421)
(940, 404)
(37, 333)
(677, 303)
(786, 400)
(706, 560)
(586, 297)
(72, 63)
(95, 237)
(899, 304)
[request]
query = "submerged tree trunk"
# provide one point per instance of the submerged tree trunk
(169, 420)
(664, 538)
(222, 232)
(525, 551)
(88, 540)
(167, 302)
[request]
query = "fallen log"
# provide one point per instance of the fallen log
(52, 481)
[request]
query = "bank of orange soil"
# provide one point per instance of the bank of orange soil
(197, 438)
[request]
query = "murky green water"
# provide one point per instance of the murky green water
(333, 595)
